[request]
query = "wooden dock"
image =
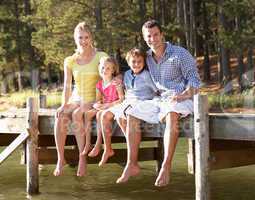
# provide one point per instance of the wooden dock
(216, 141)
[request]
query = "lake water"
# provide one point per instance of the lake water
(229, 184)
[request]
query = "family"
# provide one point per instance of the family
(158, 88)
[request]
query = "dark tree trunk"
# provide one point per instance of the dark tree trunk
(98, 14)
(180, 20)
(192, 29)
(225, 56)
(155, 15)
(35, 77)
(4, 82)
(19, 46)
(206, 65)
(142, 9)
(186, 23)
(250, 64)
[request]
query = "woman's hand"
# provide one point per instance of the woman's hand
(98, 106)
(60, 110)
(101, 106)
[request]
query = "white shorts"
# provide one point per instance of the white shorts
(154, 111)
(75, 98)
(120, 110)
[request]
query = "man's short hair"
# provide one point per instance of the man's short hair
(152, 23)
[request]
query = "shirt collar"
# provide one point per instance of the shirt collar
(168, 50)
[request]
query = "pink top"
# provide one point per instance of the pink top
(109, 91)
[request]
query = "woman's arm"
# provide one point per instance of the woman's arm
(99, 99)
(67, 85)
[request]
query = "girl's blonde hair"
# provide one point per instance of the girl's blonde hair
(112, 60)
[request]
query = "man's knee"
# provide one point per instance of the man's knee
(172, 121)
(134, 124)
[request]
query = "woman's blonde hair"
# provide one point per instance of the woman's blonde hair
(82, 26)
(112, 60)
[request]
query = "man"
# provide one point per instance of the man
(174, 72)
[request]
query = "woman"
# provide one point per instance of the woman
(83, 67)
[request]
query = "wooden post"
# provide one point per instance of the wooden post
(201, 134)
(43, 101)
(32, 143)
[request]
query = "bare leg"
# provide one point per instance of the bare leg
(133, 137)
(106, 123)
(89, 116)
(60, 131)
(122, 124)
(170, 141)
(78, 128)
(95, 151)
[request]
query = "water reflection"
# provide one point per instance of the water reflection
(231, 184)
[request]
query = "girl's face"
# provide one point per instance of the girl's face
(136, 64)
(107, 70)
(83, 40)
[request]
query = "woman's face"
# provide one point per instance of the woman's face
(83, 40)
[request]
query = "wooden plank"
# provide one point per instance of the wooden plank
(49, 156)
(201, 147)
(13, 146)
(6, 139)
(12, 125)
(191, 156)
(232, 127)
(32, 145)
(218, 145)
(222, 125)
(223, 159)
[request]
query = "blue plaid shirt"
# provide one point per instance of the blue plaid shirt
(175, 71)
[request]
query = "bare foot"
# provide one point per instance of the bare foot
(87, 148)
(163, 177)
(130, 170)
(95, 151)
(59, 168)
(81, 171)
(106, 155)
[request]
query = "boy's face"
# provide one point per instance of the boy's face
(136, 64)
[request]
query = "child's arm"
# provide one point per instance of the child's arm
(99, 100)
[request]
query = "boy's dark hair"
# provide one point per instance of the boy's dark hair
(152, 23)
(135, 52)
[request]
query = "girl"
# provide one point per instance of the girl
(82, 66)
(109, 93)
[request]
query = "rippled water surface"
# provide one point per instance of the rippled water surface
(99, 184)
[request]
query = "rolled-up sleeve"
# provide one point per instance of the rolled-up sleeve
(189, 69)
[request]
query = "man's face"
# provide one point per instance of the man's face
(153, 37)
